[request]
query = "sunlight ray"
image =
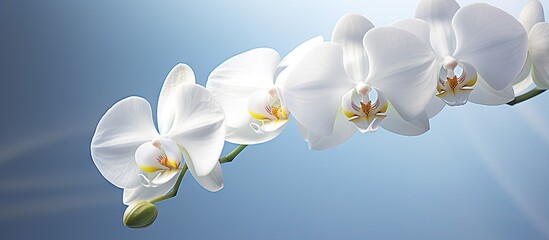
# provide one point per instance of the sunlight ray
(489, 158)
(56, 205)
(47, 182)
(531, 113)
(42, 139)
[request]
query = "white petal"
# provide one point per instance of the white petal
(259, 105)
(304, 132)
(180, 74)
(531, 14)
(434, 107)
(212, 182)
(394, 123)
(416, 26)
(257, 131)
(349, 103)
(198, 127)
(248, 136)
(148, 193)
(232, 82)
(315, 86)
(365, 126)
(343, 130)
(540, 79)
(172, 151)
(439, 14)
(539, 51)
(525, 72)
(273, 125)
(125, 126)
(403, 67)
(349, 32)
(483, 94)
(164, 177)
(294, 57)
(146, 158)
(491, 40)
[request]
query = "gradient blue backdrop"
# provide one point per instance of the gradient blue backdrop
(480, 173)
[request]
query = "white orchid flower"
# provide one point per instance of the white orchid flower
(366, 78)
(480, 50)
(131, 154)
(248, 88)
(536, 68)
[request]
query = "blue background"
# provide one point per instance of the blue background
(480, 173)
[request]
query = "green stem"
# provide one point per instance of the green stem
(532, 93)
(229, 158)
(175, 188)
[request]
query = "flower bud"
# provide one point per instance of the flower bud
(140, 214)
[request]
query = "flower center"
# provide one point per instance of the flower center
(358, 107)
(159, 161)
(267, 107)
(460, 77)
(157, 155)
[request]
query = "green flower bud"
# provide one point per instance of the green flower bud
(140, 214)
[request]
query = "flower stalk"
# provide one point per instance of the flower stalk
(524, 97)
(230, 157)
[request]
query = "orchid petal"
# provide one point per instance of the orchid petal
(273, 125)
(524, 73)
(304, 132)
(343, 130)
(123, 128)
(396, 124)
(539, 51)
(248, 136)
(434, 107)
(259, 106)
(485, 95)
(293, 57)
(172, 151)
(180, 74)
(492, 41)
(403, 67)
(315, 86)
(268, 115)
(365, 126)
(349, 32)
(213, 181)
(164, 177)
(232, 82)
(297, 53)
(148, 193)
(439, 14)
(198, 127)
(531, 14)
(418, 27)
(159, 154)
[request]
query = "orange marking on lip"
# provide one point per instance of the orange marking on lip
(366, 108)
(453, 82)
